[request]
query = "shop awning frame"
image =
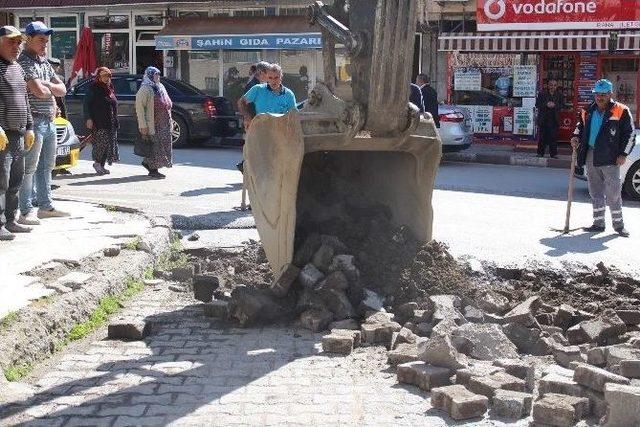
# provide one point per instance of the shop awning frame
(524, 41)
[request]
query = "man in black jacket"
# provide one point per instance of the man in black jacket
(429, 97)
(548, 104)
(604, 138)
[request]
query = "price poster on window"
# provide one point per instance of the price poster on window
(524, 80)
(522, 121)
(482, 118)
(467, 79)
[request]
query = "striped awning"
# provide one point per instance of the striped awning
(548, 41)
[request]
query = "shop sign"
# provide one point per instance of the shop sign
(238, 42)
(524, 80)
(522, 121)
(500, 15)
(482, 118)
(467, 79)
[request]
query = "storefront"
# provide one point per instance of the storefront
(497, 75)
(215, 54)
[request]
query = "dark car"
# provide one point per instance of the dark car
(196, 115)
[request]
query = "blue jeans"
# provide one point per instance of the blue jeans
(39, 162)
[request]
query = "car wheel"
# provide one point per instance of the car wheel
(632, 181)
(179, 132)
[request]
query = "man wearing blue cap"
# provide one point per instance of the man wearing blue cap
(43, 86)
(604, 138)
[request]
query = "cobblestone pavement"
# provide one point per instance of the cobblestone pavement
(193, 371)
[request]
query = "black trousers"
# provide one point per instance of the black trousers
(548, 137)
(11, 174)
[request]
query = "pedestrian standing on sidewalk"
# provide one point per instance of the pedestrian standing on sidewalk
(429, 97)
(43, 86)
(101, 117)
(16, 130)
(548, 104)
(604, 138)
(259, 76)
(153, 109)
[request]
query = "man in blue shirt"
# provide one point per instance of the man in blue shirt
(604, 138)
(271, 97)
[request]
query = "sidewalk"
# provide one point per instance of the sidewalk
(88, 230)
(518, 155)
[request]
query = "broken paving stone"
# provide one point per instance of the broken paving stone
(446, 307)
(444, 327)
(597, 356)
(61, 289)
(284, 279)
(527, 340)
(597, 404)
(595, 378)
(629, 317)
(133, 329)
(406, 311)
(250, 305)
(378, 317)
(305, 252)
(475, 369)
(630, 368)
(322, 258)
(567, 316)
(559, 384)
(462, 344)
(204, 285)
(576, 335)
(423, 329)
(560, 410)
(338, 303)
(337, 343)
(379, 333)
(183, 274)
(403, 336)
(217, 309)
(345, 324)
(309, 276)
(519, 368)
(423, 375)
(336, 280)
(75, 279)
(474, 315)
(488, 385)
(345, 263)
(439, 351)
(565, 355)
(315, 319)
(494, 318)
(403, 353)
(615, 354)
(603, 328)
(176, 287)
(153, 282)
(111, 251)
(356, 335)
(372, 301)
(458, 402)
(524, 312)
(491, 302)
(193, 237)
(623, 405)
(512, 404)
(489, 342)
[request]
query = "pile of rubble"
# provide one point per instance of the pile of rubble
(483, 347)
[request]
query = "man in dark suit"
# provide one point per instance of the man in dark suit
(429, 97)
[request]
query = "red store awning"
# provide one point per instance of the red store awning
(547, 41)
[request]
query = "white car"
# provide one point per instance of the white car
(629, 172)
(456, 129)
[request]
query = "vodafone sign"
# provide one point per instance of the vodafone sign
(498, 15)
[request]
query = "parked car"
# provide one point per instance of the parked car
(67, 144)
(196, 115)
(629, 172)
(456, 128)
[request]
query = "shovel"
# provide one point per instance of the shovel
(567, 218)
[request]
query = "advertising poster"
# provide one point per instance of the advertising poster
(522, 121)
(467, 79)
(524, 80)
(482, 119)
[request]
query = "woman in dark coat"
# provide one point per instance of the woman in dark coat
(101, 115)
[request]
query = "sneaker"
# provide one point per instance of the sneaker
(29, 219)
(6, 234)
(622, 232)
(99, 169)
(51, 213)
(13, 227)
(594, 228)
(156, 174)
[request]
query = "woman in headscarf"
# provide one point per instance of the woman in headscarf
(153, 108)
(101, 115)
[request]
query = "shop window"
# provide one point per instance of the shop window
(110, 22)
(148, 20)
(562, 69)
(63, 46)
(249, 12)
(193, 14)
(64, 22)
(295, 71)
(113, 51)
(236, 71)
(293, 11)
(204, 71)
(220, 12)
(623, 73)
(23, 21)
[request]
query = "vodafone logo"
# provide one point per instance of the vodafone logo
(495, 9)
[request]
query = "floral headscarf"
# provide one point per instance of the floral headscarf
(108, 88)
(158, 88)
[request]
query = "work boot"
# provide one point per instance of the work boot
(594, 228)
(6, 234)
(13, 227)
(622, 232)
(29, 219)
(51, 213)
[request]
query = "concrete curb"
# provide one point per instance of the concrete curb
(514, 159)
(33, 336)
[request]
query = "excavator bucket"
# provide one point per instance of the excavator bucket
(299, 181)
